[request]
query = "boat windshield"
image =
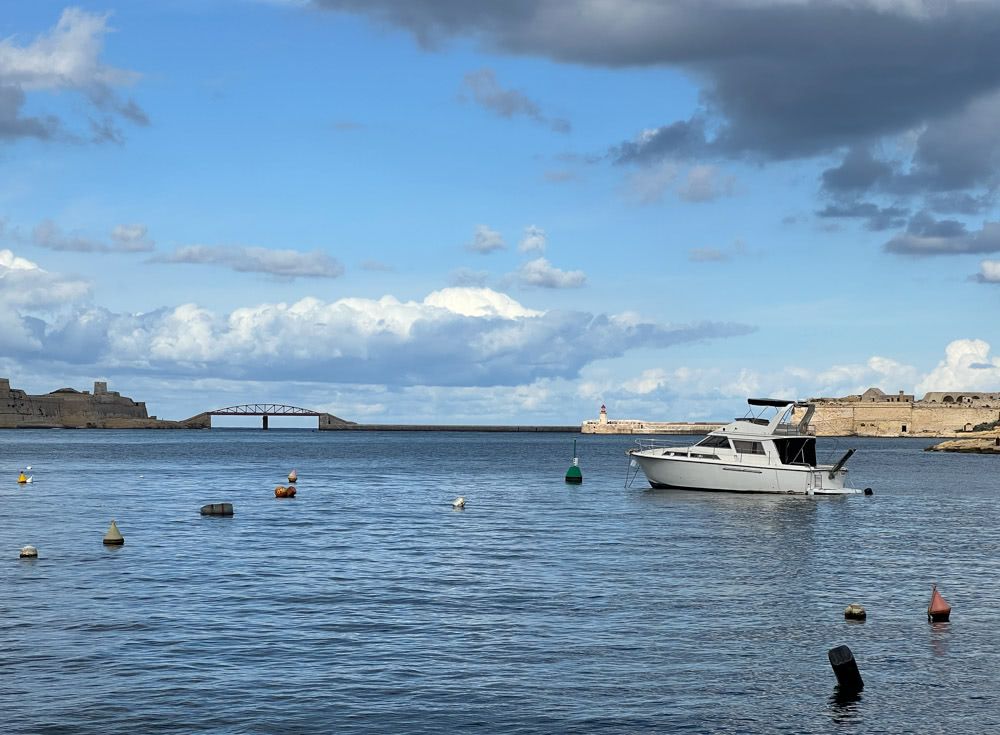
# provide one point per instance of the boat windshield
(797, 450)
(714, 442)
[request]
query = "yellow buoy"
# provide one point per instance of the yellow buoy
(22, 478)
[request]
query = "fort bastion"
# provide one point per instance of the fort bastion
(872, 413)
(73, 409)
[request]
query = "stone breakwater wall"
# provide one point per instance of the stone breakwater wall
(892, 419)
(631, 426)
(72, 409)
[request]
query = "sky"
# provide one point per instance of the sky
(438, 211)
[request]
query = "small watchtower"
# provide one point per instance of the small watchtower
(603, 418)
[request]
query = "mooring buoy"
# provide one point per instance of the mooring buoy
(854, 611)
(113, 537)
(28, 552)
(869, 491)
(284, 492)
(458, 503)
(217, 509)
(293, 476)
(938, 611)
(574, 476)
(845, 668)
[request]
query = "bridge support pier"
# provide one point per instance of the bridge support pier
(265, 422)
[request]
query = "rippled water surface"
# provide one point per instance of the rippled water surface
(367, 604)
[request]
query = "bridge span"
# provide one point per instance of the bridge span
(326, 420)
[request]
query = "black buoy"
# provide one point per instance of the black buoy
(217, 509)
(869, 491)
(846, 669)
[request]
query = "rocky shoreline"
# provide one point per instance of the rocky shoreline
(983, 444)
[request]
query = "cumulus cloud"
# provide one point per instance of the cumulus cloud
(533, 240)
(24, 283)
(542, 274)
(453, 337)
(280, 263)
(967, 365)
(485, 240)
(124, 239)
(989, 271)
(484, 89)
(66, 58)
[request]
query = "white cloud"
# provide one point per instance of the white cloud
(967, 365)
(281, 263)
(67, 58)
(539, 272)
(533, 240)
(453, 337)
(25, 284)
(485, 240)
(989, 271)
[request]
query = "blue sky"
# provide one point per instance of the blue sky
(438, 212)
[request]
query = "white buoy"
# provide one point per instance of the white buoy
(458, 502)
(113, 537)
(30, 478)
(29, 552)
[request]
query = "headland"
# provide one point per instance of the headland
(68, 408)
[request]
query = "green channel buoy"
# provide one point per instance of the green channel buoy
(573, 475)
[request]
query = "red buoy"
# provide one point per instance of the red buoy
(938, 611)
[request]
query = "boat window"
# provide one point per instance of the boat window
(744, 447)
(716, 442)
(797, 450)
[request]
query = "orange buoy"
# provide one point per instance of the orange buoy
(938, 611)
(284, 492)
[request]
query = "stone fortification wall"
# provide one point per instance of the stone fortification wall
(634, 426)
(897, 419)
(69, 408)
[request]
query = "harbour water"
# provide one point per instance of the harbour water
(368, 605)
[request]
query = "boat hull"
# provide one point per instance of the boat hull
(707, 475)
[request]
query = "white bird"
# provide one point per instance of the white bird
(458, 502)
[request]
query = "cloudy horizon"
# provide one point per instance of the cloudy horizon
(436, 212)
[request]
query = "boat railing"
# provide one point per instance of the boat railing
(642, 445)
(787, 430)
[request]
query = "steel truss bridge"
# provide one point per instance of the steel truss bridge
(264, 410)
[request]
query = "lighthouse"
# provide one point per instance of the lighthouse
(604, 414)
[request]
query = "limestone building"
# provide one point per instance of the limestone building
(74, 409)
(874, 413)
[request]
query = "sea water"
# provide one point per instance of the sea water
(367, 604)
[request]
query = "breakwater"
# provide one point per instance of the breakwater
(451, 427)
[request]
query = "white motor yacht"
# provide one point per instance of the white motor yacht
(753, 454)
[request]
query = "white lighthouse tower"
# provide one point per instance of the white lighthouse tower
(604, 415)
